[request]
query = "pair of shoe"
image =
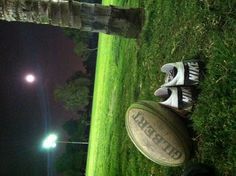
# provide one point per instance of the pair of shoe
(178, 91)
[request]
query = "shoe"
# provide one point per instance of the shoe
(185, 73)
(180, 98)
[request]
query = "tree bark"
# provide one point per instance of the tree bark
(68, 13)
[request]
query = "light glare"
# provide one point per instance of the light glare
(30, 78)
(50, 141)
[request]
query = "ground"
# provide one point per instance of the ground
(129, 70)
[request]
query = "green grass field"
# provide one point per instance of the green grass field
(129, 70)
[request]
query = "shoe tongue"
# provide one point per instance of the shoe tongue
(163, 92)
(170, 71)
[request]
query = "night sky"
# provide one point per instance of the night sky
(28, 111)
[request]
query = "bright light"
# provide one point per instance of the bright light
(50, 141)
(30, 78)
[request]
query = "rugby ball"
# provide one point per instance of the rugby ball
(158, 133)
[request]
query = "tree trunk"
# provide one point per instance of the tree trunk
(68, 13)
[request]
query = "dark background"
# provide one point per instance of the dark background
(28, 111)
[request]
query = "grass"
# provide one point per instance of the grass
(129, 70)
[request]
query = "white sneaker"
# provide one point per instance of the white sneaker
(185, 73)
(176, 97)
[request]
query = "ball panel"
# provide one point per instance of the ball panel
(172, 118)
(153, 135)
(167, 115)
